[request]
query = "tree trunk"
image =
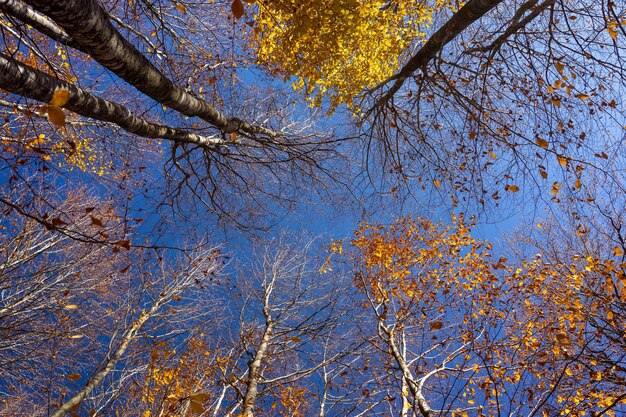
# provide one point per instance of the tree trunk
(88, 25)
(18, 78)
(254, 373)
(471, 12)
(95, 380)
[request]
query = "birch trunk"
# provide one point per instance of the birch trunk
(18, 78)
(468, 14)
(88, 25)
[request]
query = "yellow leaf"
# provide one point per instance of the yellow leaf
(555, 188)
(146, 413)
(73, 377)
(550, 89)
(56, 116)
(556, 102)
(612, 29)
(582, 97)
(60, 98)
(71, 307)
(542, 143)
(578, 184)
(511, 188)
(617, 251)
(196, 408)
(237, 8)
(492, 155)
(76, 336)
(562, 160)
(437, 183)
(199, 397)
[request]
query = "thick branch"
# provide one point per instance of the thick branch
(95, 380)
(254, 374)
(26, 14)
(18, 78)
(471, 12)
(416, 391)
(87, 23)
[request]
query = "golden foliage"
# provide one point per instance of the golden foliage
(338, 48)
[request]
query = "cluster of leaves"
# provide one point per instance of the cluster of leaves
(336, 49)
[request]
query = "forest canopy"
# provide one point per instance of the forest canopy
(312, 208)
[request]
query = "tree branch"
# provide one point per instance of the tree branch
(468, 14)
(87, 23)
(18, 78)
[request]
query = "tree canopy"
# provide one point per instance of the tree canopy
(330, 208)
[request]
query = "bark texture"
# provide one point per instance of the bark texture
(95, 380)
(26, 14)
(88, 25)
(468, 14)
(18, 78)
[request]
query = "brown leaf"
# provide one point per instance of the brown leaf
(237, 9)
(56, 222)
(56, 116)
(435, 325)
(196, 408)
(96, 221)
(74, 377)
(542, 143)
(512, 188)
(123, 244)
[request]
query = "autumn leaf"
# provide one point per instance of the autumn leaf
(612, 29)
(512, 188)
(71, 307)
(181, 8)
(237, 9)
(542, 143)
(582, 97)
(123, 244)
(617, 251)
(96, 221)
(199, 397)
(74, 377)
(562, 160)
(559, 67)
(56, 116)
(437, 183)
(435, 325)
(60, 98)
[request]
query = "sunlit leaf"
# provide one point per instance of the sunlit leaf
(60, 98)
(56, 116)
(435, 325)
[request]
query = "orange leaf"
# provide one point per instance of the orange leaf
(56, 116)
(542, 143)
(181, 8)
(237, 9)
(435, 325)
(512, 188)
(74, 377)
(59, 98)
(562, 160)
